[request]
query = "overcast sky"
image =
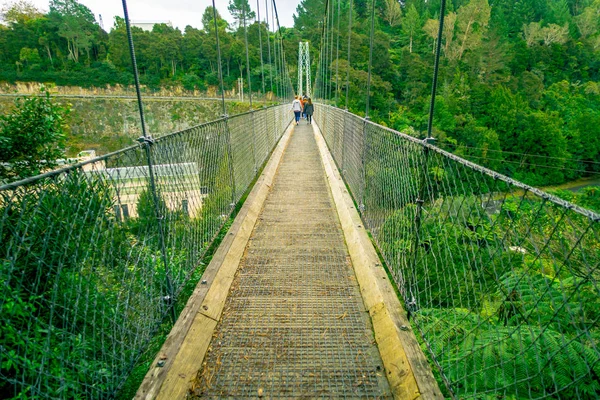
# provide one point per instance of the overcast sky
(179, 12)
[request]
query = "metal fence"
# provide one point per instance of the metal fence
(83, 278)
(500, 280)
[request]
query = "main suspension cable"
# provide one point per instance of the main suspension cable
(136, 76)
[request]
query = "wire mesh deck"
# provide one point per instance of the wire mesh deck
(294, 325)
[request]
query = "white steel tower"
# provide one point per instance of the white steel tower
(303, 69)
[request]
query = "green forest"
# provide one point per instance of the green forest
(519, 80)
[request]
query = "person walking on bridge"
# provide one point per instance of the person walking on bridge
(297, 109)
(301, 106)
(309, 109)
(303, 99)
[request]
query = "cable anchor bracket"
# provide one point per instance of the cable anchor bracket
(145, 140)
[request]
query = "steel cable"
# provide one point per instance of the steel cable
(371, 35)
(262, 66)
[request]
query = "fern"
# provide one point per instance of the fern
(479, 356)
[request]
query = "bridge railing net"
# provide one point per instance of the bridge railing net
(82, 276)
(500, 280)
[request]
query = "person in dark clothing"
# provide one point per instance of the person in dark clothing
(309, 109)
(304, 98)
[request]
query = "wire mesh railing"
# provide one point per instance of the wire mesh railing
(82, 276)
(500, 280)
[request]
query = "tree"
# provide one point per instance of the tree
(76, 24)
(209, 45)
(29, 56)
(448, 34)
(19, 11)
(240, 10)
(509, 16)
(393, 12)
(305, 21)
(410, 25)
(560, 13)
(431, 28)
(168, 46)
(472, 20)
(193, 60)
(588, 21)
(32, 137)
(534, 33)
(208, 22)
(555, 34)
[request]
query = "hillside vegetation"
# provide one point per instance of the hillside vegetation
(519, 89)
(108, 124)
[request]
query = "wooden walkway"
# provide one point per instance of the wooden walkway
(294, 324)
(280, 313)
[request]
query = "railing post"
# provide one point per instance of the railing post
(411, 303)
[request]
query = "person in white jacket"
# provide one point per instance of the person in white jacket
(296, 108)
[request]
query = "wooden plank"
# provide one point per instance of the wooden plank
(407, 368)
(173, 357)
(189, 358)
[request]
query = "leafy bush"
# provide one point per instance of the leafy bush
(32, 137)
(55, 273)
(482, 356)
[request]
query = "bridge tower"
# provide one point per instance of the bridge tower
(303, 69)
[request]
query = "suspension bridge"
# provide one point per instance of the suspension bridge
(340, 259)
